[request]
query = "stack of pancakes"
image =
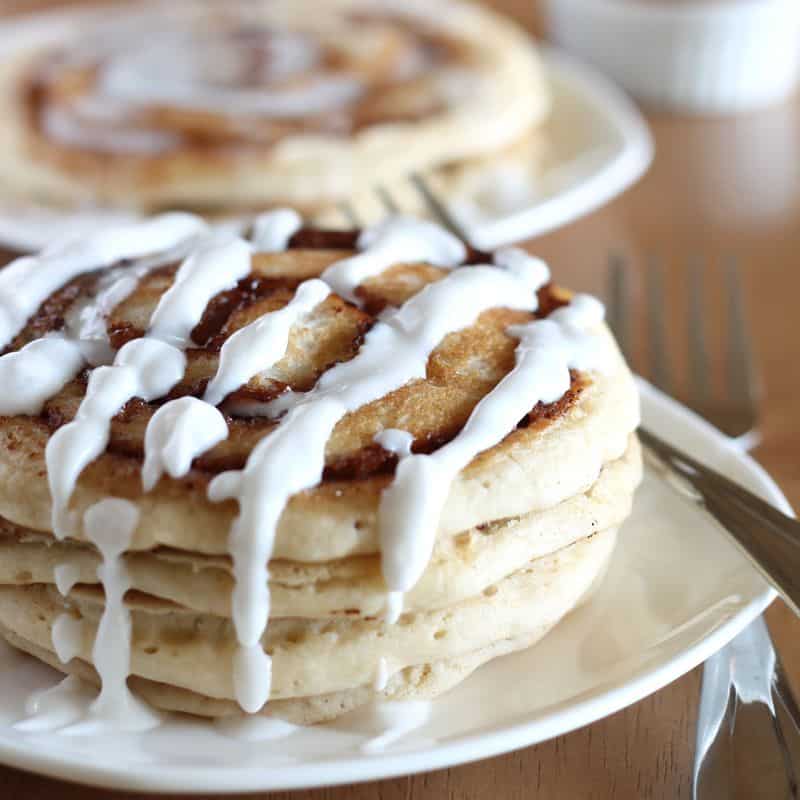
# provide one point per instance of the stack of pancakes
(527, 528)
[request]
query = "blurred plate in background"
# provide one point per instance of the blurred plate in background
(596, 145)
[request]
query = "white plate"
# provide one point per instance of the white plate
(598, 145)
(677, 591)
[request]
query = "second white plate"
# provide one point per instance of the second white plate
(598, 144)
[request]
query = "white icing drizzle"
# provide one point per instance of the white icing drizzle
(32, 375)
(522, 263)
(65, 576)
(396, 240)
(261, 344)
(273, 229)
(395, 441)
(87, 321)
(393, 609)
(43, 367)
(109, 525)
(273, 408)
(146, 368)
(398, 719)
(66, 636)
(273, 472)
(381, 675)
(27, 282)
(410, 508)
(218, 264)
(252, 676)
(255, 728)
(177, 433)
(57, 707)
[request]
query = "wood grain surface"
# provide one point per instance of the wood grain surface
(718, 187)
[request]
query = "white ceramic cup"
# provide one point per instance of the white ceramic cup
(700, 56)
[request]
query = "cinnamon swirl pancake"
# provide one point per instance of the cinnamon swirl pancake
(234, 107)
(303, 470)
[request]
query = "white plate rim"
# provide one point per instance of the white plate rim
(618, 174)
(471, 747)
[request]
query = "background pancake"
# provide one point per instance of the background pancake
(257, 104)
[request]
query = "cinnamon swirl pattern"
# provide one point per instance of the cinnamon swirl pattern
(232, 107)
(295, 473)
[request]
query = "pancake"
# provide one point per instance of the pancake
(193, 652)
(557, 453)
(292, 464)
(152, 107)
(460, 567)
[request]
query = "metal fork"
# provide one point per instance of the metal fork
(748, 721)
(769, 538)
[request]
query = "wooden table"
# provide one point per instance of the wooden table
(717, 187)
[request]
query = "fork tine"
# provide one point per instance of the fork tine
(660, 369)
(698, 354)
(741, 374)
(616, 301)
(436, 207)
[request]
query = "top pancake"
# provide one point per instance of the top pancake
(557, 451)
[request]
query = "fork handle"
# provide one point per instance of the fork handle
(769, 538)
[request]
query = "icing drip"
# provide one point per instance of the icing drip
(218, 264)
(252, 676)
(87, 321)
(145, 368)
(398, 720)
(395, 441)
(57, 707)
(109, 525)
(65, 576)
(273, 229)
(66, 636)
(255, 729)
(394, 605)
(148, 367)
(522, 263)
(411, 506)
(272, 409)
(261, 344)
(381, 675)
(177, 433)
(27, 282)
(396, 240)
(43, 367)
(32, 375)
(273, 472)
